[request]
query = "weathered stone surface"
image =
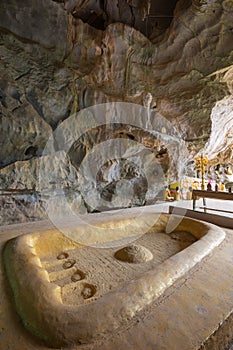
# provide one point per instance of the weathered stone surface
(221, 137)
(175, 70)
(149, 17)
(126, 165)
(53, 185)
(23, 133)
(57, 308)
(40, 174)
(80, 54)
(38, 21)
(21, 208)
(126, 63)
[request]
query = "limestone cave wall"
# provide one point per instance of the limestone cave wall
(60, 57)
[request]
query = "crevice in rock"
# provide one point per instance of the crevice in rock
(31, 151)
(32, 99)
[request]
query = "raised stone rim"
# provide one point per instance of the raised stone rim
(39, 302)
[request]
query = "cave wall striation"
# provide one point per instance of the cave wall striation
(60, 57)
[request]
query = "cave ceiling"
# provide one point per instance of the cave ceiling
(151, 18)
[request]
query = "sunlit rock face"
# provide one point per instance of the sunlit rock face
(219, 148)
(173, 57)
(221, 138)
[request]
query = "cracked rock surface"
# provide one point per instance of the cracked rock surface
(59, 57)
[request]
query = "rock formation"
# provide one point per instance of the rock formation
(60, 57)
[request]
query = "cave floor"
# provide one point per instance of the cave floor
(195, 313)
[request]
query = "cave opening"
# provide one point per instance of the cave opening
(31, 151)
(99, 14)
(159, 18)
(96, 20)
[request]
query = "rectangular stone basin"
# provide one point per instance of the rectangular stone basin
(81, 284)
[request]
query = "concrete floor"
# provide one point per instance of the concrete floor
(195, 313)
(225, 206)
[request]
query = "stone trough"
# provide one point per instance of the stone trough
(71, 293)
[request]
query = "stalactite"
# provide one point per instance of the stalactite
(130, 53)
(145, 6)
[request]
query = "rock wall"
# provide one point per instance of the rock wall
(220, 144)
(59, 57)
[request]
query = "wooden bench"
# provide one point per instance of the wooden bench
(197, 194)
